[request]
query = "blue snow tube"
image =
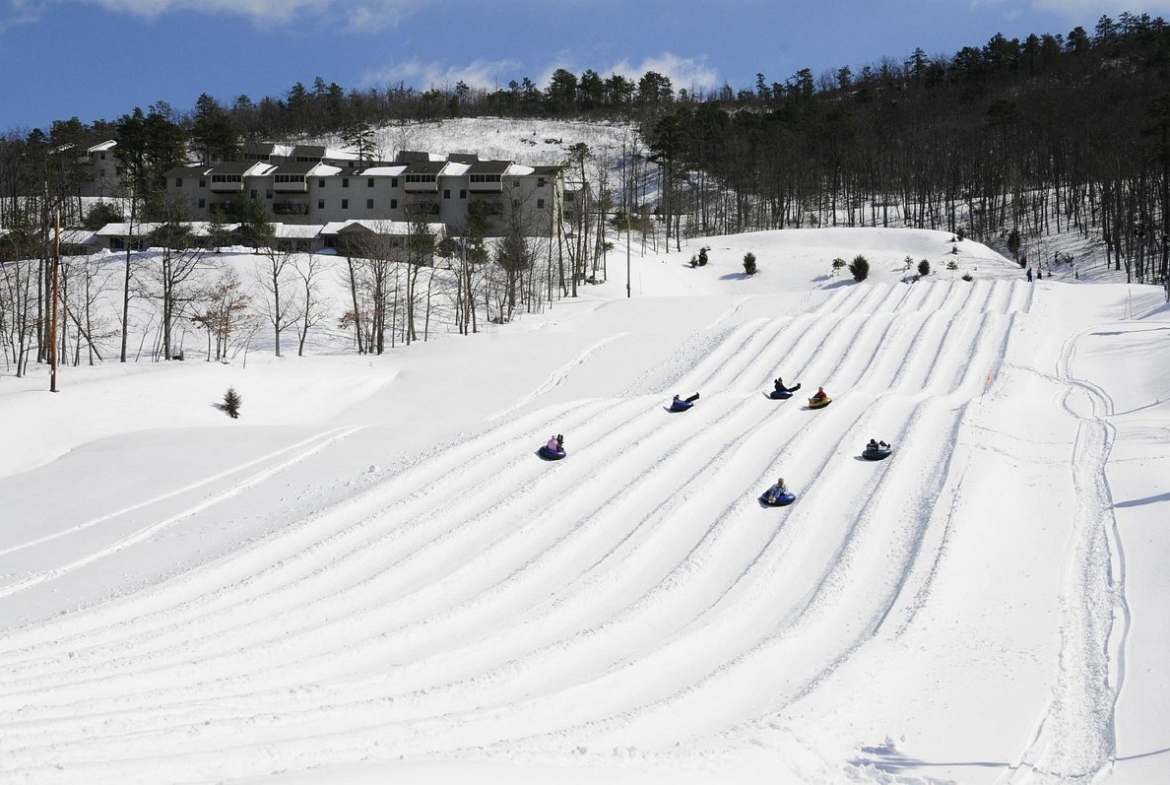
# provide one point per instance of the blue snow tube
(551, 455)
(780, 395)
(878, 454)
(681, 405)
(774, 499)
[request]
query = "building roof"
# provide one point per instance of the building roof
(197, 228)
(259, 148)
(76, 236)
(489, 167)
(415, 156)
(296, 167)
(241, 168)
(308, 151)
(376, 226)
(383, 170)
(426, 167)
(296, 231)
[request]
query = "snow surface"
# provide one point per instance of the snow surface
(371, 577)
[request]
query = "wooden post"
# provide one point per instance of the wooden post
(56, 300)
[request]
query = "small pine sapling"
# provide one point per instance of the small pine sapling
(924, 267)
(859, 267)
(232, 403)
(749, 263)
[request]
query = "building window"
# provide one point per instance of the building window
(178, 182)
(268, 193)
(320, 182)
(539, 204)
(252, 193)
(393, 182)
(202, 182)
(393, 204)
(369, 182)
(446, 193)
(202, 204)
(344, 204)
(320, 204)
(462, 193)
(369, 204)
(345, 182)
(540, 182)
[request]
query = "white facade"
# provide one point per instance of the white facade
(314, 189)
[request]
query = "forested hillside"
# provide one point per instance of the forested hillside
(1005, 142)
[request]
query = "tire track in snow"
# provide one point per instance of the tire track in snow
(303, 450)
(557, 377)
(1075, 738)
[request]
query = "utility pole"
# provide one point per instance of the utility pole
(56, 300)
(629, 217)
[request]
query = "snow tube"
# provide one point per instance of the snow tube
(681, 405)
(813, 403)
(551, 455)
(878, 454)
(780, 395)
(774, 499)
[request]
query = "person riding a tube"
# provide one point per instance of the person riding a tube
(780, 385)
(872, 446)
(556, 443)
(776, 492)
(820, 394)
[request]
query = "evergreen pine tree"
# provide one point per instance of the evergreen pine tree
(232, 402)
(859, 267)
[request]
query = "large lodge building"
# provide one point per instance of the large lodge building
(309, 191)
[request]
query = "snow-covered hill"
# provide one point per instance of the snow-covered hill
(371, 576)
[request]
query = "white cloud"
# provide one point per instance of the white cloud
(478, 75)
(22, 12)
(363, 16)
(685, 73)
(259, 10)
(1081, 10)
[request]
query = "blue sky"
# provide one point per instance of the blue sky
(98, 59)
